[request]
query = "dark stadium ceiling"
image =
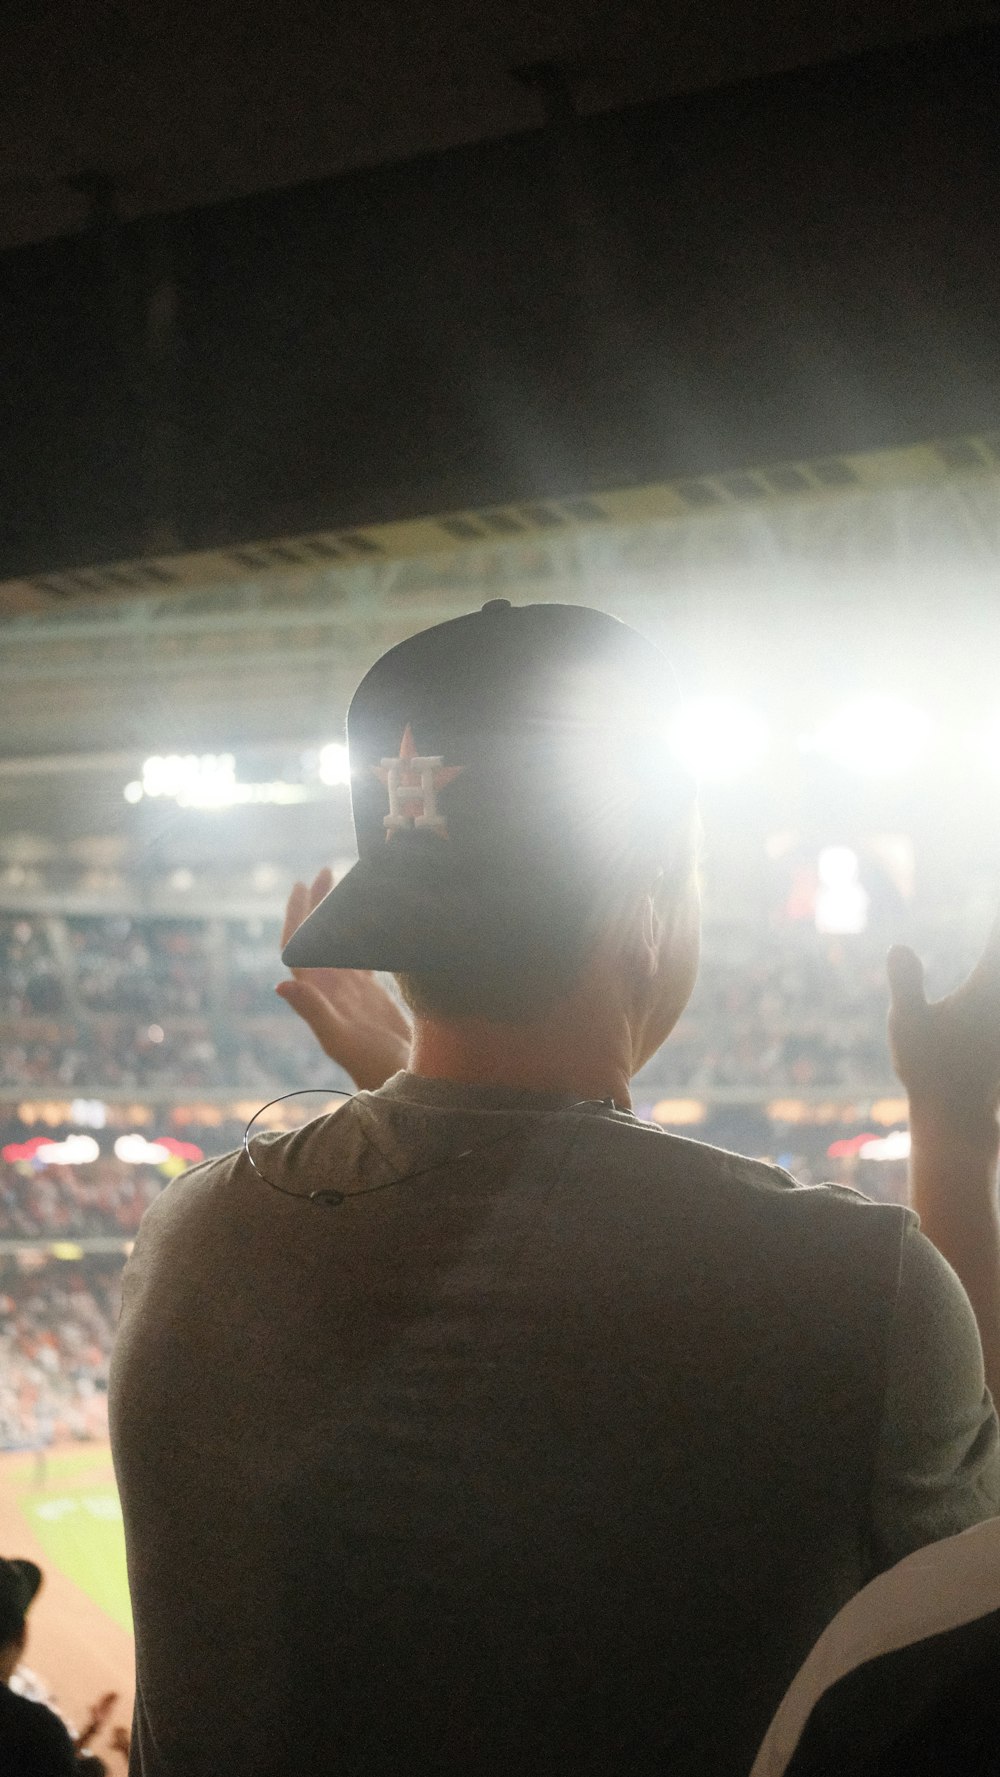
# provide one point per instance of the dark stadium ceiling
(163, 106)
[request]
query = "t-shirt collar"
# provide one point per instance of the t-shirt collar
(458, 1095)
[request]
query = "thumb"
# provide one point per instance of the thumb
(906, 979)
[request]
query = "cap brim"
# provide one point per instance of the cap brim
(348, 930)
(422, 910)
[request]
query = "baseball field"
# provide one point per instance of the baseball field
(63, 1512)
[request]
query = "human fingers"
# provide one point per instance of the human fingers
(906, 980)
(312, 1007)
(296, 908)
(322, 884)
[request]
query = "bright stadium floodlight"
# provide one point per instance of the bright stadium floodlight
(167, 775)
(334, 767)
(718, 739)
(207, 781)
(878, 737)
(212, 786)
(887, 1147)
(76, 1150)
(135, 1150)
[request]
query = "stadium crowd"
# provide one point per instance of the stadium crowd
(173, 1004)
(184, 1004)
(119, 1055)
(90, 1005)
(56, 1330)
(145, 967)
(63, 1201)
(30, 983)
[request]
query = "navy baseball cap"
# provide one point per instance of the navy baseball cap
(508, 769)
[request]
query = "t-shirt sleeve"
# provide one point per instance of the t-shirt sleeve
(938, 1461)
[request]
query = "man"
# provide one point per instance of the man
(479, 1427)
(33, 1741)
(903, 1682)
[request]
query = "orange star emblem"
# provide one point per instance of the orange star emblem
(413, 780)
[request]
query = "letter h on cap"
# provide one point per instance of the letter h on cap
(413, 781)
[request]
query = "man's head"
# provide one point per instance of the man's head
(19, 1582)
(519, 818)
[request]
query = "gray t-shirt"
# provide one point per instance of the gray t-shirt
(556, 1455)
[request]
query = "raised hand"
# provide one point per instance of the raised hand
(947, 1052)
(120, 1742)
(98, 1715)
(352, 1015)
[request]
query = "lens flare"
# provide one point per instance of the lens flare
(876, 737)
(718, 739)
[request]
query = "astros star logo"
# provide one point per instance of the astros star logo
(413, 781)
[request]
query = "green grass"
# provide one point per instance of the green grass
(79, 1525)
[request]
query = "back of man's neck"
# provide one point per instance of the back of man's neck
(474, 1052)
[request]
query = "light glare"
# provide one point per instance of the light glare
(135, 1150)
(991, 744)
(90, 1112)
(887, 1147)
(206, 781)
(334, 766)
(76, 1150)
(842, 900)
(181, 776)
(877, 737)
(718, 739)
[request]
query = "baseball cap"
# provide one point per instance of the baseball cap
(507, 768)
(19, 1582)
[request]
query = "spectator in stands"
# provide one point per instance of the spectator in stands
(33, 1741)
(903, 1682)
(498, 1430)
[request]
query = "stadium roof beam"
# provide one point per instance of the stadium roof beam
(887, 529)
(759, 510)
(179, 663)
